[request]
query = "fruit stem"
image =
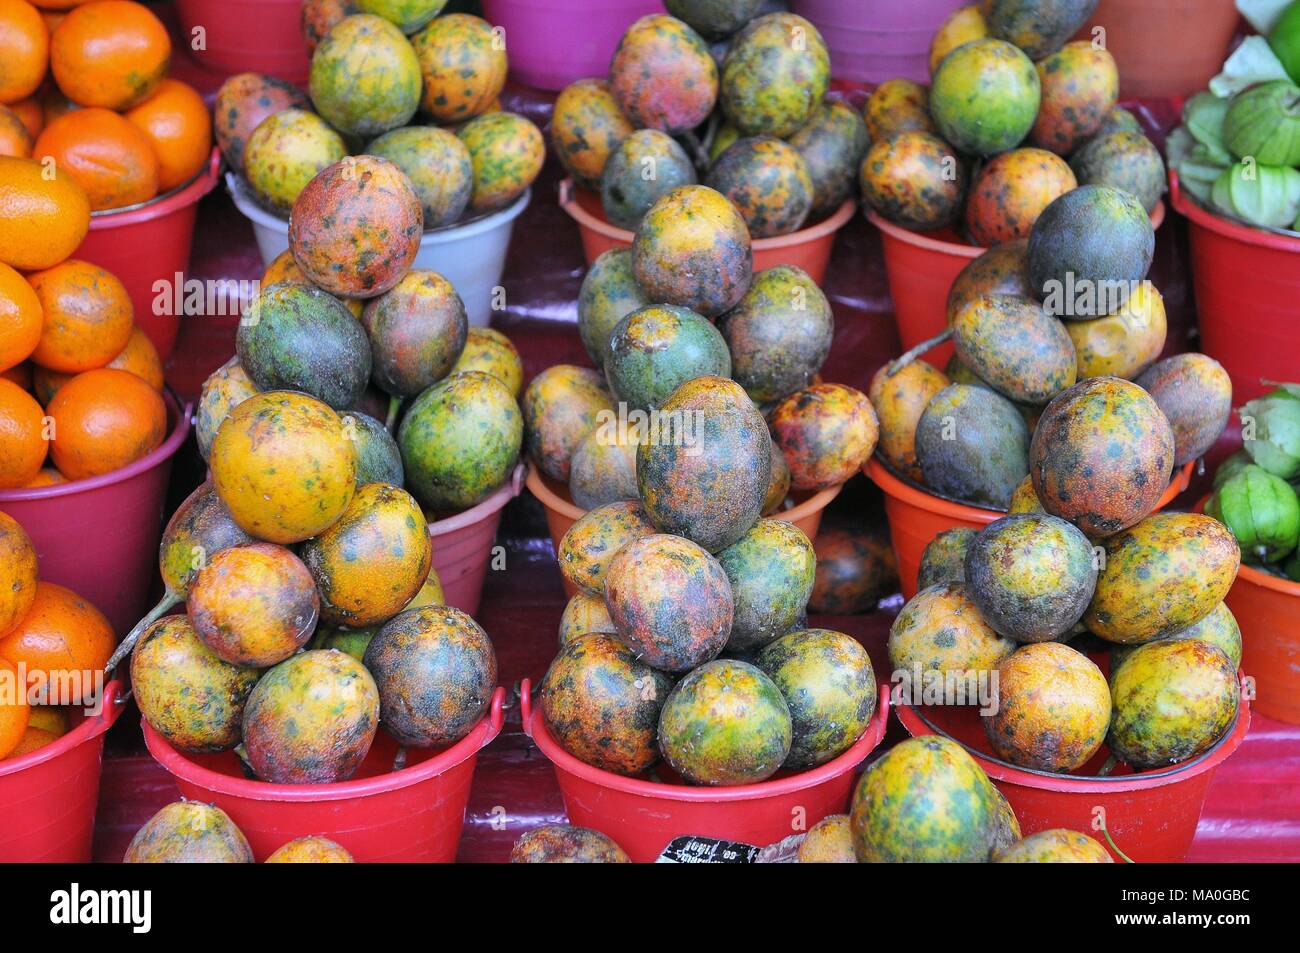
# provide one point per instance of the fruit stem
(168, 600)
(399, 760)
(394, 407)
(1115, 847)
(1109, 766)
(699, 155)
(908, 357)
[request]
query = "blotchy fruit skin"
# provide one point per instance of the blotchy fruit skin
(670, 602)
(1124, 343)
(1039, 27)
(985, 97)
(298, 337)
(1010, 192)
(1102, 455)
(944, 558)
(285, 152)
(656, 349)
(693, 249)
(710, 485)
(463, 65)
(408, 15)
(1014, 347)
(826, 432)
(586, 127)
(459, 441)
(592, 542)
(832, 144)
(915, 180)
(1024, 500)
(225, 389)
(1056, 846)
(201, 527)
(778, 483)
(436, 671)
(965, 24)
(829, 687)
(829, 841)
(561, 406)
(1008, 827)
(1166, 573)
(856, 567)
(490, 351)
(378, 458)
(584, 614)
(1195, 394)
(417, 331)
(1080, 84)
(186, 692)
(507, 152)
(1032, 576)
(1218, 629)
(19, 573)
(663, 76)
(1173, 700)
(601, 704)
(282, 464)
(989, 455)
(775, 75)
(311, 850)
(1002, 270)
(609, 293)
(603, 469)
(725, 723)
(714, 19)
(898, 105)
(365, 77)
(438, 166)
(899, 400)
(771, 571)
(352, 641)
(1053, 709)
(768, 181)
(940, 629)
(355, 229)
(321, 16)
(242, 103)
(562, 844)
(925, 801)
(187, 832)
(311, 719)
(779, 334)
(1123, 160)
(627, 191)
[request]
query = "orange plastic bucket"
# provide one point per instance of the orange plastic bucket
(48, 797)
(561, 512)
(643, 817)
(917, 516)
(809, 248)
(921, 267)
(410, 816)
(1150, 815)
(148, 243)
(462, 545)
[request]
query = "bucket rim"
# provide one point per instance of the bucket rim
(183, 769)
(1257, 577)
(1194, 212)
(827, 226)
(180, 417)
(478, 513)
(89, 729)
(917, 724)
(203, 182)
(535, 727)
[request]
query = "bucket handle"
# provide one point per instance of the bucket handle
(517, 479)
(113, 697)
(566, 192)
(526, 705)
(496, 714)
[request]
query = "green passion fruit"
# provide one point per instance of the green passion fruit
(913, 179)
(561, 406)
(223, 390)
(187, 832)
(1010, 344)
(832, 144)
(941, 629)
(898, 105)
(379, 460)
(972, 445)
(609, 293)
(595, 538)
(201, 527)
(656, 349)
(1195, 394)
(1219, 629)
(663, 76)
(1128, 161)
(438, 166)
(586, 127)
(768, 182)
(771, 571)
(407, 15)
(1055, 846)
(563, 844)
(1001, 270)
(985, 96)
(1080, 84)
(775, 75)
(285, 152)
(603, 469)
(899, 399)
(365, 78)
(463, 65)
(826, 433)
(856, 568)
(646, 165)
(506, 151)
(584, 614)
(243, 101)
(417, 331)
(1039, 27)
(944, 558)
(714, 19)
(490, 351)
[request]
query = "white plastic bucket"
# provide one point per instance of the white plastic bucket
(471, 256)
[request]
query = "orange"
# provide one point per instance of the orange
(139, 357)
(64, 642)
(14, 710)
(58, 4)
(47, 477)
(110, 158)
(104, 420)
(112, 53)
(18, 573)
(49, 718)
(42, 220)
(32, 113)
(24, 50)
(15, 140)
(23, 442)
(20, 318)
(33, 739)
(87, 316)
(176, 123)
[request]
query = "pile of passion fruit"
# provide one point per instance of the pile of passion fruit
(190, 832)
(747, 116)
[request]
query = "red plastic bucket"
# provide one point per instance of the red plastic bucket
(48, 797)
(148, 243)
(381, 816)
(552, 43)
(99, 537)
(257, 36)
(643, 817)
(809, 248)
(1247, 284)
(1150, 815)
(921, 267)
(462, 545)
(874, 40)
(916, 516)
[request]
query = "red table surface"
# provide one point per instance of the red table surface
(1253, 809)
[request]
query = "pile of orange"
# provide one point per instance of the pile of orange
(85, 83)
(53, 649)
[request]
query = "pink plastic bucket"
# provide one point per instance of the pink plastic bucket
(99, 537)
(257, 36)
(874, 40)
(48, 797)
(381, 816)
(462, 545)
(552, 43)
(643, 817)
(148, 243)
